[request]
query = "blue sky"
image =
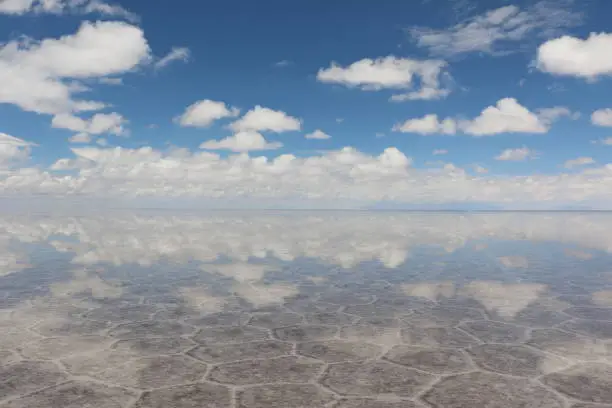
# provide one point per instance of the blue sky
(319, 65)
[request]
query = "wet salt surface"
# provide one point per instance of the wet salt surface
(297, 309)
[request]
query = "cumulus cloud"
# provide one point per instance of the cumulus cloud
(333, 177)
(428, 125)
(100, 123)
(176, 54)
(317, 134)
(579, 161)
(20, 7)
(262, 119)
(519, 154)
(588, 58)
(439, 152)
(203, 113)
(498, 31)
(507, 116)
(42, 76)
(242, 142)
(390, 73)
(602, 117)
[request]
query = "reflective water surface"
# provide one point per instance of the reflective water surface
(306, 309)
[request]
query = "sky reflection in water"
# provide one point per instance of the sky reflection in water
(335, 309)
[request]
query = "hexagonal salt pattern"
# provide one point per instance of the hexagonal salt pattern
(438, 337)
(590, 313)
(220, 319)
(570, 345)
(150, 329)
(375, 378)
(327, 341)
(59, 347)
(149, 347)
(187, 396)
(219, 353)
(334, 351)
(212, 335)
(71, 327)
(495, 332)
(590, 382)
(282, 369)
(122, 313)
(594, 328)
(284, 395)
(377, 403)
(305, 333)
(154, 372)
(515, 360)
(490, 390)
(77, 394)
(28, 376)
(434, 361)
(272, 320)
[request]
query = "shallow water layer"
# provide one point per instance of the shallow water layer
(306, 309)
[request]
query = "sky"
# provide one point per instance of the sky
(429, 103)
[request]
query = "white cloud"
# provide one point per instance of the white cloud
(12, 150)
(519, 154)
(507, 116)
(318, 134)
(203, 113)
(111, 81)
(480, 170)
(20, 7)
(80, 138)
(111, 123)
(102, 142)
(244, 141)
(337, 178)
(283, 63)
(607, 141)
(97, 49)
(427, 125)
(602, 117)
(339, 239)
(579, 161)
(423, 94)
(176, 54)
(95, 6)
(550, 115)
(390, 73)
(42, 76)
(13, 141)
(498, 31)
(439, 152)
(261, 119)
(589, 58)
